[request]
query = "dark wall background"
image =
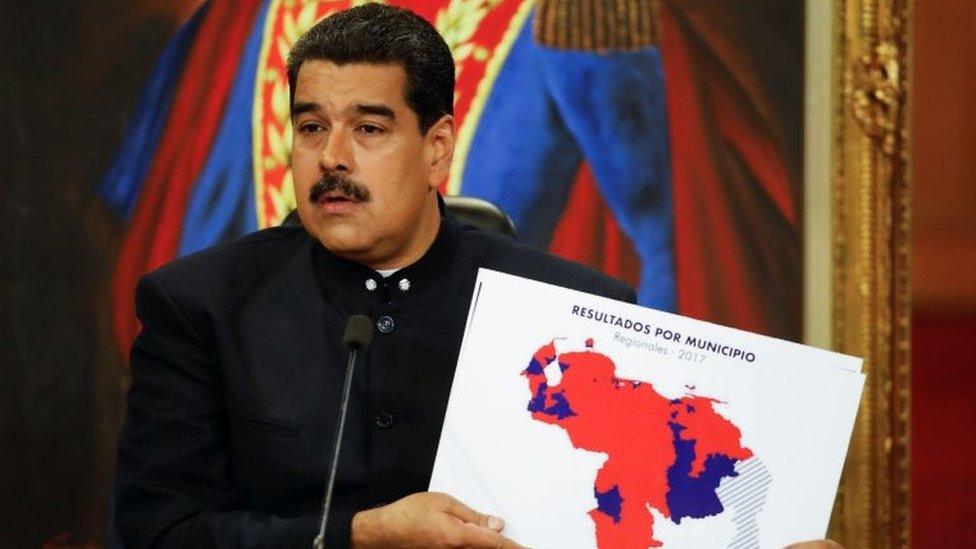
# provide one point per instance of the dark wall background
(69, 75)
(944, 261)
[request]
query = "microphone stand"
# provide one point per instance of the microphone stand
(363, 325)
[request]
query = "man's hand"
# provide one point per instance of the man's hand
(427, 519)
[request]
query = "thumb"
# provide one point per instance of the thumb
(468, 514)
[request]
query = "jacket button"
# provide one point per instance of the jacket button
(385, 420)
(385, 324)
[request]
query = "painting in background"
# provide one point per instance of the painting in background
(657, 140)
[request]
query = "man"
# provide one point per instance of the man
(237, 372)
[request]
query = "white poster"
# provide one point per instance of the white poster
(588, 422)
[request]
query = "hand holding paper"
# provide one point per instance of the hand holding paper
(426, 520)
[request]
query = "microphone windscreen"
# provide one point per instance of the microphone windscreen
(359, 332)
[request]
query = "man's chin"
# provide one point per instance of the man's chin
(344, 245)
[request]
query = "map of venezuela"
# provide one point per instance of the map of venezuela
(666, 454)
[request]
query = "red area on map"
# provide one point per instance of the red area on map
(669, 454)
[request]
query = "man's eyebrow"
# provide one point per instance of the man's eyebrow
(378, 110)
(304, 106)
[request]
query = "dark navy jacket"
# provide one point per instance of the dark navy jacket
(237, 373)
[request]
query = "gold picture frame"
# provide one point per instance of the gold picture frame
(858, 215)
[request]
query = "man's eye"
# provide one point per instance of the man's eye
(370, 129)
(311, 128)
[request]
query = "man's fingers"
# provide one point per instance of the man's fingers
(468, 514)
(495, 524)
(480, 537)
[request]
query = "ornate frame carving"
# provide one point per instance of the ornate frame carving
(870, 254)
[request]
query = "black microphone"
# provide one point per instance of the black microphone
(358, 334)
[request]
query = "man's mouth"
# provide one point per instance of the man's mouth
(333, 198)
(337, 203)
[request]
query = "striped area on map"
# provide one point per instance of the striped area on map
(744, 496)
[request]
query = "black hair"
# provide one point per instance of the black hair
(377, 33)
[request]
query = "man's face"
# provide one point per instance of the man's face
(365, 177)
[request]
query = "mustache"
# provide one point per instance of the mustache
(337, 182)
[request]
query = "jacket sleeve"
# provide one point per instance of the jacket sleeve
(173, 486)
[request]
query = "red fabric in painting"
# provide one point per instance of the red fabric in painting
(198, 105)
(588, 232)
(737, 248)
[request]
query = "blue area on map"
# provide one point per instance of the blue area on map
(694, 497)
(563, 366)
(561, 407)
(534, 368)
(538, 402)
(609, 502)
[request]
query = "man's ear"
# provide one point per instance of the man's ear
(440, 147)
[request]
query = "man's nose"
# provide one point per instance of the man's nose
(337, 153)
